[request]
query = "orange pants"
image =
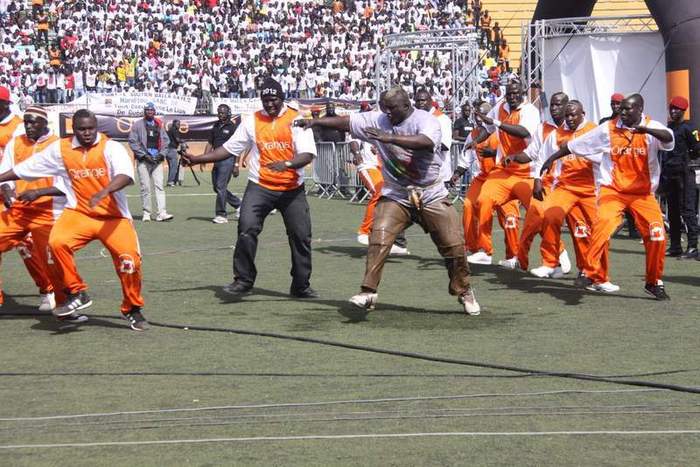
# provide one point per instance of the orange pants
(74, 230)
(581, 213)
(372, 180)
(30, 235)
(500, 188)
(649, 221)
(508, 217)
(533, 226)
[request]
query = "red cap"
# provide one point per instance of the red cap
(617, 97)
(679, 103)
(4, 94)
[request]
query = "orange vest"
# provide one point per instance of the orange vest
(24, 148)
(510, 144)
(575, 173)
(629, 154)
(7, 130)
(43, 24)
(273, 137)
(88, 173)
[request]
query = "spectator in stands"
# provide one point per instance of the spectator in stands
(149, 141)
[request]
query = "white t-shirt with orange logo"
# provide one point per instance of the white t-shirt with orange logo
(49, 163)
(246, 138)
(596, 145)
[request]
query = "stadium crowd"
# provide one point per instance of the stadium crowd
(60, 49)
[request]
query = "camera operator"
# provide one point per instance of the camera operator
(149, 142)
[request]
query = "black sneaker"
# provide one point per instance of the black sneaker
(690, 253)
(657, 291)
(674, 252)
(73, 303)
(238, 288)
(582, 281)
(136, 320)
(304, 293)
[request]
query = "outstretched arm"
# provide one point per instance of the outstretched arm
(419, 141)
(341, 123)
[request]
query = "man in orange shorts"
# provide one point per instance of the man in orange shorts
(626, 153)
(31, 212)
(514, 123)
(572, 187)
(482, 160)
(91, 170)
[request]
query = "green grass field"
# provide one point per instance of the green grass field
(90, 395)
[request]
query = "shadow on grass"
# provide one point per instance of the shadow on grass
(685, 280)
(565, 292)
(343, 307)
(46, 322)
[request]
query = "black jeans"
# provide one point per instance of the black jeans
(257, 204)
(220, 176)
(173, 165)
(680, 191)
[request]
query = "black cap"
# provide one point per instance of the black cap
(271, 87)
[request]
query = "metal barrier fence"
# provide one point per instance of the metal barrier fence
(333, 174)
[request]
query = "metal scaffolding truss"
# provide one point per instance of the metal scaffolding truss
(535, 34)
(462, 44)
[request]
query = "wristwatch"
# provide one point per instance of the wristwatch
(288, 164)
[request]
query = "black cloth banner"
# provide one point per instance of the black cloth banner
(193, 127)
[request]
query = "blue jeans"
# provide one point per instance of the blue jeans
(173, 165)
(220, 176)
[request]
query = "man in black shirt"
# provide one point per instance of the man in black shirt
(223, 170)
(678, 181)
(175, 136)
(331, 135)
(463, 125)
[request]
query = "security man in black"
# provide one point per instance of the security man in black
(223, 170)
(678, 181)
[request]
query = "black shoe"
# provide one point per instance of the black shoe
(582, 281)
(238, 288)
(304, 293)
(657, 291)
(674, 252)
(136, 320)
(690, 253)
(73, 303)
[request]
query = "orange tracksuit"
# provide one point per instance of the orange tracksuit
(82, 173)
(372, 180)
(27, 225)
(628, 175)
(573, 189)
(508, 214)
(504, 184)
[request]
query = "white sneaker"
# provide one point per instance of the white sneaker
(273, 212)
(363, 239)
(471, 306)
(510, 263)
(565, 262)
(220, 220)
(366, 300)
(237, 213)
(399, 250)
(542, 271)
(164, 217)
(479, 258)
(48, 302)
(606, 287)
(146, 217)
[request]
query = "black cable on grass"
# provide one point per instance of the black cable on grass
(417, 356)
(430, 358)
